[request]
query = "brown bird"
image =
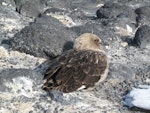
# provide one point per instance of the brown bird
(82, 67)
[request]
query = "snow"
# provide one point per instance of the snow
(138, 97)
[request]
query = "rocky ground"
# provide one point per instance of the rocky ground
(32, 31)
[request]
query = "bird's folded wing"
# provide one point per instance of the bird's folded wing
(76, 68)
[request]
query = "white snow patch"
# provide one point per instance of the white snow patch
(129, 29)
(4, 4)
(139, 97)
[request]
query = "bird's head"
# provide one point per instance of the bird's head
(88, 41)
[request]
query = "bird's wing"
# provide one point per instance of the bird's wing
(76, 68)
(57, 64)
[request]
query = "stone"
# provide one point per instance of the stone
(45, 37)
(143, 11)
(114, 10)
(142, 38)
(143, 16)
(124, 44)
(48, 35)
(8, 3)
(120, 80)
(24, 78)
(10, 22)
(115, 14)
(106, 34)
(29, 8)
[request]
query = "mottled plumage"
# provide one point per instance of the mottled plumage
(84, 65)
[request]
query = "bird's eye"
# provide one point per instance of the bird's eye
(96, 40)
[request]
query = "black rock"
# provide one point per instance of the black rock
(45, 37)
(114, 10)
(142, 36)
(143, 15)
(106, 34)
(121, 21)
(143, 11)
(142, 20)
(29, 8)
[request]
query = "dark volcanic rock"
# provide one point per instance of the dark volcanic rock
(142, 20)
(116, 15)
(19, 76)
(45, 37)
(30, 8)
(114, 10)
(122, 22)
(143, 15)
(143, 11)
(106, 34)
(142, 36)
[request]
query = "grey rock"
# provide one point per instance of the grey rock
(143, 11)
(21, 90)
(10, 23)
(9, 3)
(46, 37)
(18, 75)
(116, 14)
(71, 4)
(55, 10)
(143, 16)
(78, 14)
(8, 12)
(106, 34)
(142, 38)
(58, 3)
(80, 8)
(120, 80)
(142, 20)
(121, 21)
(29, 8)
(114, 10)
(6, 23)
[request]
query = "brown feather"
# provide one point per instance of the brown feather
(75, 68)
